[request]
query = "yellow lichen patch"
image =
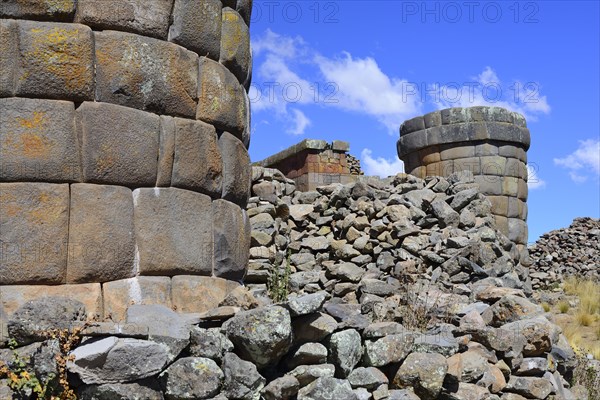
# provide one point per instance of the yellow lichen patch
(63, 53)
(32, 141)
(47, 210)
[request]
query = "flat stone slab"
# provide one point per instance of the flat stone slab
(198, 294)
(118, 295)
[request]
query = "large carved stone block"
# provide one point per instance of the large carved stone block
(119, 145)
(197, 26)
(236, 169)
(119, 295)
(38, 141)
(221, 98)
(198, 294)
(235, 44)
(197, 164)
(90, 295)
(55, 61)
(145, 73)
(173, 231)
(34, 219)
(101, 242)
(40, 9)
(9, 51)
(231, 240)
(149, 18)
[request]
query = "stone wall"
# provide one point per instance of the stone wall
(313, 163)
(491, 142)
(124, 171)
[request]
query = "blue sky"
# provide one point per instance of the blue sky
(354, 70)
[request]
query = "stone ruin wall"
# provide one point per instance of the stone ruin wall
(124, 171)
(491, 142)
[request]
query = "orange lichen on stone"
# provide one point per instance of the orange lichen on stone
(62, 53)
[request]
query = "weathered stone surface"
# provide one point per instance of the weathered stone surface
(101, 243)
(31, 322)
(138, 16)
(145, 73)
(313, 327)
(165, 326)
(532, 388)
(369, 378)
(308, 353)
(114, 360)
(55, 61)
(423, 371)
(196, 294)
(38, 141)
(262, 336)
(197, 26)
(326, 387)
(231, 232)
(540, 334)
(9, 48)
(306, 304)
(192, 378)
(510, 309)
(236, 169)
(346, 350)
(166, 151)
(34, 233)
(209, 343)
(109, 134)
(388, 349)
(235, 44)
(173, 231)
(244, 8)
(13, 297)
(118, 295)
(221, 98)
(138, 391)
(306, 374)
(50, 10)
(242, 380)
(284, 388)
(197, 164)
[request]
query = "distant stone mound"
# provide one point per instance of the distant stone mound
(565, 252)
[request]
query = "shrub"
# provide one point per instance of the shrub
(546, 306)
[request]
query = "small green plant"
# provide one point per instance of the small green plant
(564, 306)
(278, 284)
(546, 306)
(20, 379)
(24, 382)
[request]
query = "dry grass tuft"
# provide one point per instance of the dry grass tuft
(563, 306)
(546, 307)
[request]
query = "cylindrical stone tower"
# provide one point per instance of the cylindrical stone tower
(124, 171)
(491, 142)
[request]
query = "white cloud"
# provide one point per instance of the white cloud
(486, 89)
(380, 166)
(351, 84)
(583, 162)
(365, 88)
(533, 180)
(300, 121)
(290, 75)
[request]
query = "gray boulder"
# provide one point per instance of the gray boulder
(34, 319)
(192, 378)
(327, 388)
(115, 360)
(261, 335)
(242, 380)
